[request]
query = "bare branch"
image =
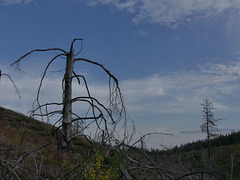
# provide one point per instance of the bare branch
(86, 99)
(100, 65)
(38, 50)
(116, 89)
(199, 172)
(77, 39)
(16, 89)
(148, 134)
(44, 74)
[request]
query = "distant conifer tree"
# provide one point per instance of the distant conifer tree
(209, 125)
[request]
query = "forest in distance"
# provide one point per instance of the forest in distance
(231, 138)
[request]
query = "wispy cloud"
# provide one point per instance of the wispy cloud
(171, 13)
(219, 130)
(171, 93)
(183, 92)
(142, 33)
(232, 69)
(190, 132)
(10, 2)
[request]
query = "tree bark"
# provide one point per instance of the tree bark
(67, 104)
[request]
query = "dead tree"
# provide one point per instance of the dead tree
(105, 117)
(209, 125)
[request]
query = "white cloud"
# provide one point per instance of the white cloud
(10, 2)
(171, 93)
(183, 92)
(171, 13)
(231, 69)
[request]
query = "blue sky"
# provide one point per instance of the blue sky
(167, 55)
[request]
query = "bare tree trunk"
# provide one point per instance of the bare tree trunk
(67, 104)
(208, 133)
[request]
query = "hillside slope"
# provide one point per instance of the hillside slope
(28, 150)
